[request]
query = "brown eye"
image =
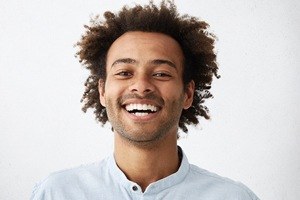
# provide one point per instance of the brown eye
(161, 74)
(123, 75)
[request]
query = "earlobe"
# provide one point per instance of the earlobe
(101, 84)
(189, 95)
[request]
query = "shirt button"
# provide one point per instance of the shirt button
(134, 188)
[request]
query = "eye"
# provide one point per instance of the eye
(123, 74)
(161, 74)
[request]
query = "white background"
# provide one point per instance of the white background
(253, 136)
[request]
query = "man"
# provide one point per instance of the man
(151, 71)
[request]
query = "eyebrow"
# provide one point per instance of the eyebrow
(153, 62)
(161, 62)
(124, 60)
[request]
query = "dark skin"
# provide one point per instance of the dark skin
(197, 45)
(145, 145)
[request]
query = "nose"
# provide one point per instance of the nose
(141, 85)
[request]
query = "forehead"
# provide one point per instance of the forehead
(144, 46)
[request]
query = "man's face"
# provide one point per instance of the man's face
(143, 92)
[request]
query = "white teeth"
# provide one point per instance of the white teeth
(139, 106)
(144, 107)
(139, 114)
(131, 107)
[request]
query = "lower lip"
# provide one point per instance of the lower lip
(134, 117)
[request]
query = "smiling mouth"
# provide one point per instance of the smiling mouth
(141, 110)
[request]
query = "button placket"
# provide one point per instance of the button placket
(134, 188)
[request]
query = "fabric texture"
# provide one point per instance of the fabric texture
(105, 181)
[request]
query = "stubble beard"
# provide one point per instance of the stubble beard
(138, 136)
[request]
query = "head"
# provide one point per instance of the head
(195, 42)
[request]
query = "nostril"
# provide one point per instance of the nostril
(141, 91)
(141, 86)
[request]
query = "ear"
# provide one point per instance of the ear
(189, 95)
(101, 85)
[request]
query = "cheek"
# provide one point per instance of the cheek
(175, 99)
(112, 94)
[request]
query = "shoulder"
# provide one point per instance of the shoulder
(69, 181)
(218, 185)
(67, 176)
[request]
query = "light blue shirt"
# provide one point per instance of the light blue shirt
(105, 181)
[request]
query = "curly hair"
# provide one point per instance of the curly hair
(192, 34)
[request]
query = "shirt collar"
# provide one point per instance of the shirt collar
(155, 187)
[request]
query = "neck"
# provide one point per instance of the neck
(147, 165)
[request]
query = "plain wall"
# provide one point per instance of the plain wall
(253, 136)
